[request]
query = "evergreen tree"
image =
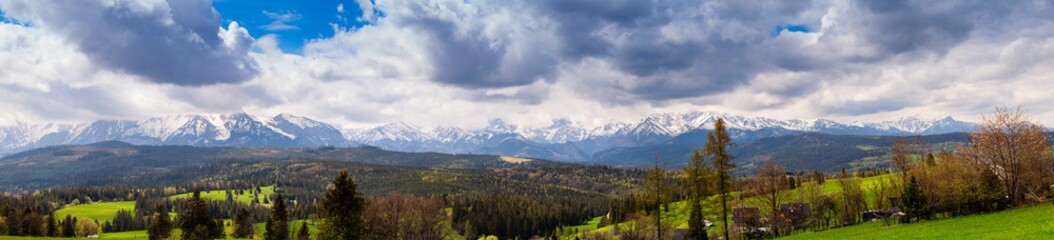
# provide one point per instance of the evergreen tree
(341, 210)
(32, 223)
(991, 191)
(161, 226)
(913, 201)
(695, 179)
(655, 185)
(14, 228)
(304, 233)
(278, 224)
(52, 227)
(196, 219)
(243, 224)
(68, 229)
(717, 143)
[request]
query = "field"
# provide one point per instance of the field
(1025, 223)
(678, 214)
(221, 195)
(100, 211)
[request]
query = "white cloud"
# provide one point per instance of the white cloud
(281, 21)
(532, 61)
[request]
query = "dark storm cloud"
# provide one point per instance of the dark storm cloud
(684, 49)
(465, 57)
(900, 26)
(176, 42)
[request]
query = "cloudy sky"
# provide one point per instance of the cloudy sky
(463, 62)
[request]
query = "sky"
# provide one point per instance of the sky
(461, 63)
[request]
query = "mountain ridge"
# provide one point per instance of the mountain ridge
(561, 140)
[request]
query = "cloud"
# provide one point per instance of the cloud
(367, 8)
(281, 21)
(172, 42)
(455, 62)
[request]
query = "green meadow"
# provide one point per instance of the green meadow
(678, 214)
(1036, 222)
(99, 211)
(221, 195)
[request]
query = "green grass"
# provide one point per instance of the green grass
(100, 211)
(679, 211)
(1035, 222)
(221, 195)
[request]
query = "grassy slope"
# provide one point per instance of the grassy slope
(101, 211)
(221, 195)
(1025, 223)
(679, 211)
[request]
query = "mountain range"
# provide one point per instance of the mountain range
(562, 140)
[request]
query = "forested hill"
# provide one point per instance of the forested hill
(800, 152)
(116, 162)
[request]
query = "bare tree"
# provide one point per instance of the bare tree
(1009, 144)
(769, 186)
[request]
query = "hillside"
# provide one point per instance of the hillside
(798, 152)
(1024, 223)
(114, 163)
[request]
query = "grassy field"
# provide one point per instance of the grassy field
(1035, 222)
(221, 195)
(100, 211)
(678, 214)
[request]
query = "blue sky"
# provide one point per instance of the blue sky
(294, 22)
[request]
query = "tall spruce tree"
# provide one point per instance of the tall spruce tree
(14, 228)
(304, 233)
(196, 222)
(655, 184)
(52, 228)
(341, 210)
(695, 174)
(278, 224)
(913, 201)
(160, 226)
(717, 143)
(68, 229)
(243, 224)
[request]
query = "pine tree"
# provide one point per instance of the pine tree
(14, 228)
(243, 224)
(341, 210)
(161, 226)
(52, 226)
(717, 143)
(304, 232)
(695, 179)
(992, 191)
(196, 219)
(68, 229)
(655, 184)
(913, 200)
(278, 224)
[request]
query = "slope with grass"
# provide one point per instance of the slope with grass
(221, 195)
(679, 211)
(1034, 222)
(99, 211)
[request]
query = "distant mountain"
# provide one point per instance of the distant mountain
(799, 152)
(196, 130)
(565, 141)
(561, 140)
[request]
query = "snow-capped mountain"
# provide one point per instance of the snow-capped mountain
(654, 129)
(198, 130)
(560, 140)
